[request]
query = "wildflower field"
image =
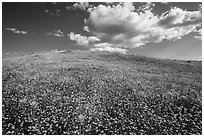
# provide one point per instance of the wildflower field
(84, 92)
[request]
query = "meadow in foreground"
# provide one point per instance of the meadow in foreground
(100, 93)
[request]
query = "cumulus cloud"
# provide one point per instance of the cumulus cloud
(146, 6)
(199, 32)
(179, 17)
(109, 49)
(120, 25)
(57, 33)
(124, 27)
(79, 5)
(86, 29)
(198, 37)
(83, 40)
(92, 42)
(16, 31)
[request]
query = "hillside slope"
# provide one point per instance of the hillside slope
(83, 92)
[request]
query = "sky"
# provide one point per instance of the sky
(163, 30)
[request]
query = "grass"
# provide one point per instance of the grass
(100, 93)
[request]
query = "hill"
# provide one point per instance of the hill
(84, 92)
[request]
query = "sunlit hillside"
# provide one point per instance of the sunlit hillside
(84, 92)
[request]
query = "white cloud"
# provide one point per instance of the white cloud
(109, 49)
(179, 17)
(86, 29)
(79, 5)
(176, 33)
(92, 42)
(121, 26)
(200, 7)
(23, 32)
(176, 15)
(198, 37)
(199, 31)
(57, 33)
(83, 40)
(14, 30)
(146, 6)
